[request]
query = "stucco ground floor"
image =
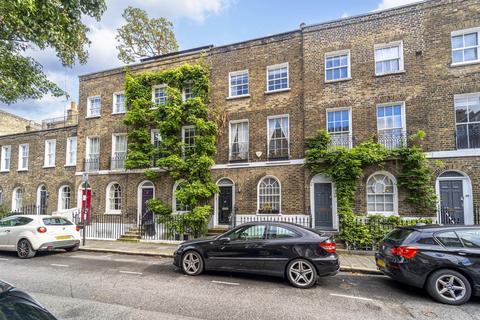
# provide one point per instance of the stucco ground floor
(287, 190)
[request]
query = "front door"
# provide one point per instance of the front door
(42, 209)
(86, 203)
(451, 199)
(225, 204)
(322, 199)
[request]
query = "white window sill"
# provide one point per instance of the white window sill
(3, 171)
(70, 165)
(338, 80)
(22, 170)
(385, 214)
(268, 214)
(115, 113)
(92, 117)
(278, 91)
(113, 213)
(465, 63)
(47, 167)
(238, 97)
(390, 73)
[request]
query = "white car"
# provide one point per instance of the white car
(28, 234)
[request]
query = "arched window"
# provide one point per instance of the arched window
(177, 205)
(1, 196)
(381, 194)
(269, 195)
(64, 198)
(114, 198)
(17, 199)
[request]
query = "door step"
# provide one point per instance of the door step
(132, 235)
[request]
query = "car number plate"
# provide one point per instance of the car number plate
(381, 263)
(63, 237)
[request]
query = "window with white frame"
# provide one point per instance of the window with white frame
(269, 195)
(466, 46)
(119, 151)
(467, 115)
(64, 198)
(17, 199)
(187, 91)
(71, 153)
(119, 102)
(278, 137)
(114, 199)
(277, 77)
(381, 194)
(391, 125)
(1, 196)
(49, 157)
(238, 83)
(239, 140)
(160, 95)
(23, 151)
(389, 58)
(339, 127)
(92, 159)
(177, 204)
(94, 105)
(337, 65)
(188, 139)
(5, 158)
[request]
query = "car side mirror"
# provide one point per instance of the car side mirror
(224, 240)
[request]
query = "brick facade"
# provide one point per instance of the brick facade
(426, 88)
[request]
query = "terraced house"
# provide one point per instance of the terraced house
(385, 75)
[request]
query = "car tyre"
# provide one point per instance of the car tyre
(449, 287)
(301, 273)
(25, 250)
(192, 263)
(74, 248)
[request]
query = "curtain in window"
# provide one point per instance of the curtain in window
(278, 135)
(239, 148)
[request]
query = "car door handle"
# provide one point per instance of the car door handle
(462, 253)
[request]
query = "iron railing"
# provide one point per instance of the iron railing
(91, 164)
(108, 227)
(341, 140)
(393, 140)
(117, 162)
(172, 228)
(303, 220)
(467, 138)
(448, 216)
(60, 122)
(31, 209)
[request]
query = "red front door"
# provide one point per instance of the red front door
(86, 204)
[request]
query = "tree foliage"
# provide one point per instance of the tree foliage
(142, 37)
(26, 24)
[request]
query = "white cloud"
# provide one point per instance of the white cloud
(386, 4)
(345, 15)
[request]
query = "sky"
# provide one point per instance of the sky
(196, 23)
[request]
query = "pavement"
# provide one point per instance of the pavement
(108, 286)
(351, 262)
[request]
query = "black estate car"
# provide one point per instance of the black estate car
(16, 304)
(445, 260)
(271, 248)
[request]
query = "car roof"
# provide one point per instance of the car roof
(439, 227)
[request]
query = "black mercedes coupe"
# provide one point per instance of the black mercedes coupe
(270, 248)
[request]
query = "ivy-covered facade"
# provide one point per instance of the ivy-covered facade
(227, 131)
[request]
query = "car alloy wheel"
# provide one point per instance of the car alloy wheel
(192, 263)
(302, 274)
(24, 249)
(450, 287)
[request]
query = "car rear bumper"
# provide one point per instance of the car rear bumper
(53, 245)
(399, 271)
(327, 266)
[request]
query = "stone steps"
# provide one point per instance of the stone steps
(132, 235)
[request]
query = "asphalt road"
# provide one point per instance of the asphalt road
(109, 286)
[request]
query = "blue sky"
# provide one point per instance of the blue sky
(196, 23)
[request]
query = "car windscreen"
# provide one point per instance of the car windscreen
(399, 236)
(56, 222)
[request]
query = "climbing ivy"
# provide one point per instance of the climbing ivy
(345, 166)
(191, 166)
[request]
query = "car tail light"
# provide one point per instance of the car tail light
(41, 229)
(77, 228)
(405, 252)
(329, 246)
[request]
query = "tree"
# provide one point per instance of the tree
(142, 37)
(27, 24)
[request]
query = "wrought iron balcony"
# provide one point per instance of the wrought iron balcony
(341, 140)
(117, 162)
(393, 140)
(91, 163)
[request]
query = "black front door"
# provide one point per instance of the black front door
(322, 199)
(225, 204)
(451, 198)
(43, 202)
(147, 194)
